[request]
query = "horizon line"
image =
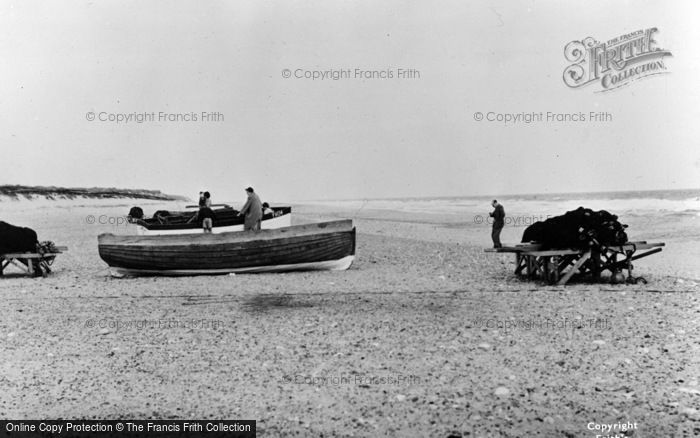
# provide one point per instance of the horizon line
(490, 196)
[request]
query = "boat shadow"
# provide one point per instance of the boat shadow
(266, 302)
(255, 304)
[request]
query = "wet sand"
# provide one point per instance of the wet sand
(426, 335)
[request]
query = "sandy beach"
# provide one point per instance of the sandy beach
(426, 335)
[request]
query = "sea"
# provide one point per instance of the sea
(628, 203)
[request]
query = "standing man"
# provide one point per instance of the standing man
(498, 216)
(252, 211)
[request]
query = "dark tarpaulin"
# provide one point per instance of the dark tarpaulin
(15, 239)
(577, 229)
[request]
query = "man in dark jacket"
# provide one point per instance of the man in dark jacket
(252, 211)
(498, 216)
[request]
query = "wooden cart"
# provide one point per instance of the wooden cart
(557, 266)
(31, 263)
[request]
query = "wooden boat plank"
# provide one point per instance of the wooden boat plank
(255, 246)
(239, 263)
(630, 246)
(298, 252)
(206, 239)
(554, 252)
(298, 255)
(299, 245)
(563, 280)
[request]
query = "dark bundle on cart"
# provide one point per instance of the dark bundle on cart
(581, 228)
(20, 247)
(581, 243)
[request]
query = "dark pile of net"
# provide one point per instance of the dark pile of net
(15, 239)
(582, 228)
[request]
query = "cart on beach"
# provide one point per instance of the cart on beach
(558, 266)
(33, 263)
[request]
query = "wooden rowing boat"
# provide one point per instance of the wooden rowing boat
(227, 220)
(319, 246)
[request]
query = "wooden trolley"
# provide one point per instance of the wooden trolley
(557, 266)
(31, 263)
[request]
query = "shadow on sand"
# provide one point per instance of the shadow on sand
(266, 302)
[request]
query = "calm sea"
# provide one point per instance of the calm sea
(672, 202)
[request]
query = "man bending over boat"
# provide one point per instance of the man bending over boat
(252, 211)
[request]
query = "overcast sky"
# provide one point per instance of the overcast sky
(296, 138)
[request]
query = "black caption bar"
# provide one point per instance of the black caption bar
(128, 428)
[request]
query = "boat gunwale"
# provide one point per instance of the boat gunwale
(344, 225)
(149, 225)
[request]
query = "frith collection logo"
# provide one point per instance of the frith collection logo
(616, 62)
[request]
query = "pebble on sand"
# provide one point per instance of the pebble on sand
(689, 390)
(502, 391)
(484, 346)
(690, 412)
(599, 342)
(400, 397)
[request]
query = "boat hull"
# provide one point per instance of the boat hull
(324, 246)
(330, 265)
